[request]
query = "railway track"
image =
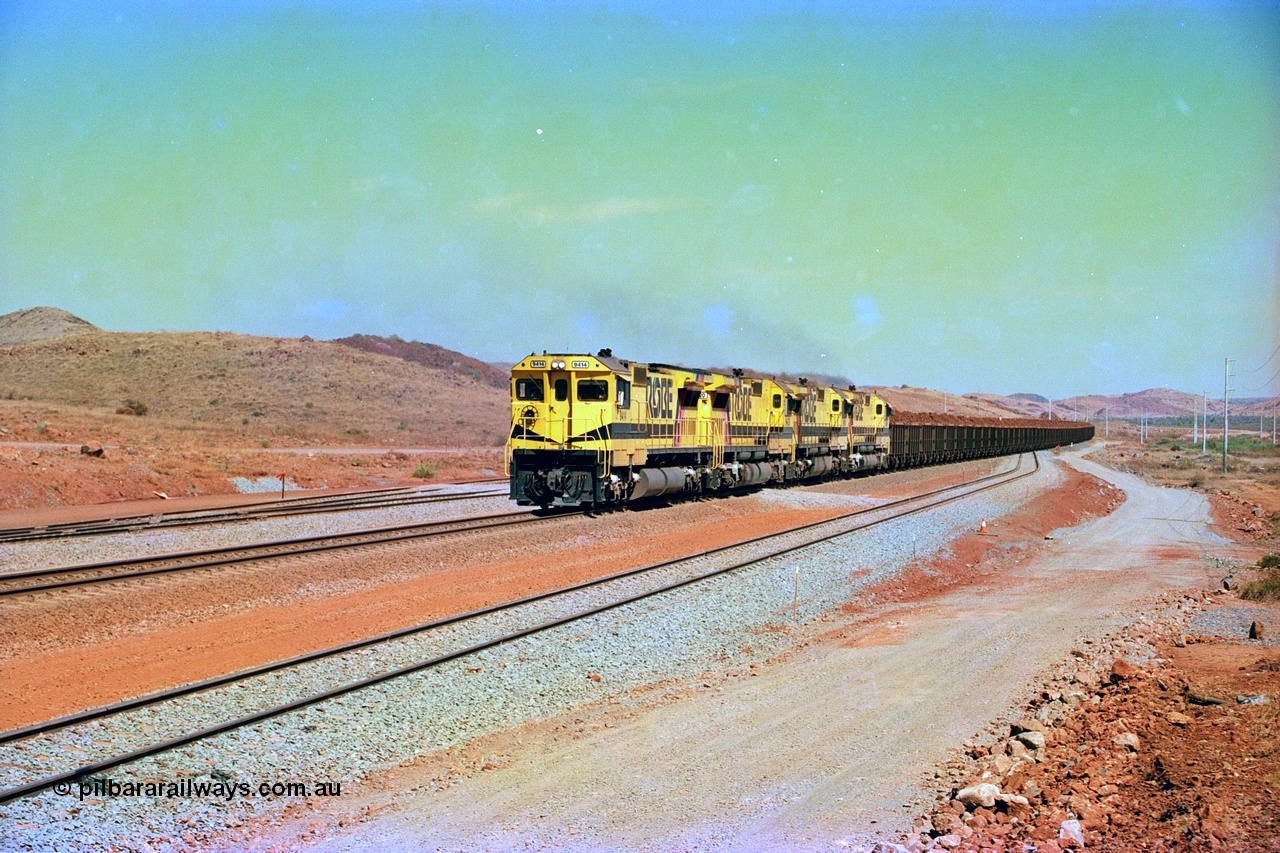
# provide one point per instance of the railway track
(438, 642)
(312, 504)
(31, 581)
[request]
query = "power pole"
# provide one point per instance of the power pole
(944, 402)
(1050, 408)
(1226, 396)
(1195, 426)
(1204, 434)
(1107, 421)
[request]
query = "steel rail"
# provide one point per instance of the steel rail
(378, 499)
(278, 710)
(263, 551)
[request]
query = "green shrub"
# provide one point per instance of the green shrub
(133, 407)
(1267, 589)
(425, 472)
(1271, 561)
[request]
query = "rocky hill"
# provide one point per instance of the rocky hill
(430, 355)
(910, 399)
(253, 389)
(41, 323)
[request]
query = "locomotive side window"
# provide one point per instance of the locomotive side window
(835, 405)
(720, 400)
(793, 405)
(777, 401)
(593, 390)
(757, 389)
(624, 393)
(879, 409)
(562, 390)
(529, 389)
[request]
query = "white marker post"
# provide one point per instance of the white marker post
(795, 601)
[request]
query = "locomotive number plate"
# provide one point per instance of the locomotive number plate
(581, 364)
(538, 362)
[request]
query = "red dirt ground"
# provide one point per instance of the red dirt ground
(35, 680)
(36, 475)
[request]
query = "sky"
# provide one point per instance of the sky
(1057, 198)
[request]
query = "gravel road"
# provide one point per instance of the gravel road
(830, 748)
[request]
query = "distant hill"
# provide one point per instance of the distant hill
(41, 323)
(286, 390)
(910, 399)
(1155, 402)
(430, 355)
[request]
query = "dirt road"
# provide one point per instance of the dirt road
(829, 747)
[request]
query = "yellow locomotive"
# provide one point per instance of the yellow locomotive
(599, 430)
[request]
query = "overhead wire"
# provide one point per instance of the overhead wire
(1268, 382)
(1265, 363)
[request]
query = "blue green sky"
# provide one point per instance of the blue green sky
(1058, 198)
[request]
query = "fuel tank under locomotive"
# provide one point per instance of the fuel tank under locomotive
(570, 482)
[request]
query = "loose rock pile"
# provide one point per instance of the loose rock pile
(1242, 515)
(1101, 759)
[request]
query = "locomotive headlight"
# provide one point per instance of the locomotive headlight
(557, 365)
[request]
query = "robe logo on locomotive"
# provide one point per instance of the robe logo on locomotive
(661, 398)
(740, 404)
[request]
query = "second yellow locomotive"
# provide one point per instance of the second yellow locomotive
(599, 430)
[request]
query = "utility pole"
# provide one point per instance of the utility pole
(1204, 434)
(1226, 396)
(1050, 408)
(1195, 426)
(1107, 422)
(944, 402)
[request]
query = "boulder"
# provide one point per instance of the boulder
(1128, 740)
(1017, 750)
(979, 796)
(1034, 740)
(1257, 631)
(93, 448)
(1027, 725)
(1070, 834)
(1178, 719)
(1122, 670)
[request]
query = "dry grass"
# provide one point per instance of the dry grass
(1265, 589)
(238, 389)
